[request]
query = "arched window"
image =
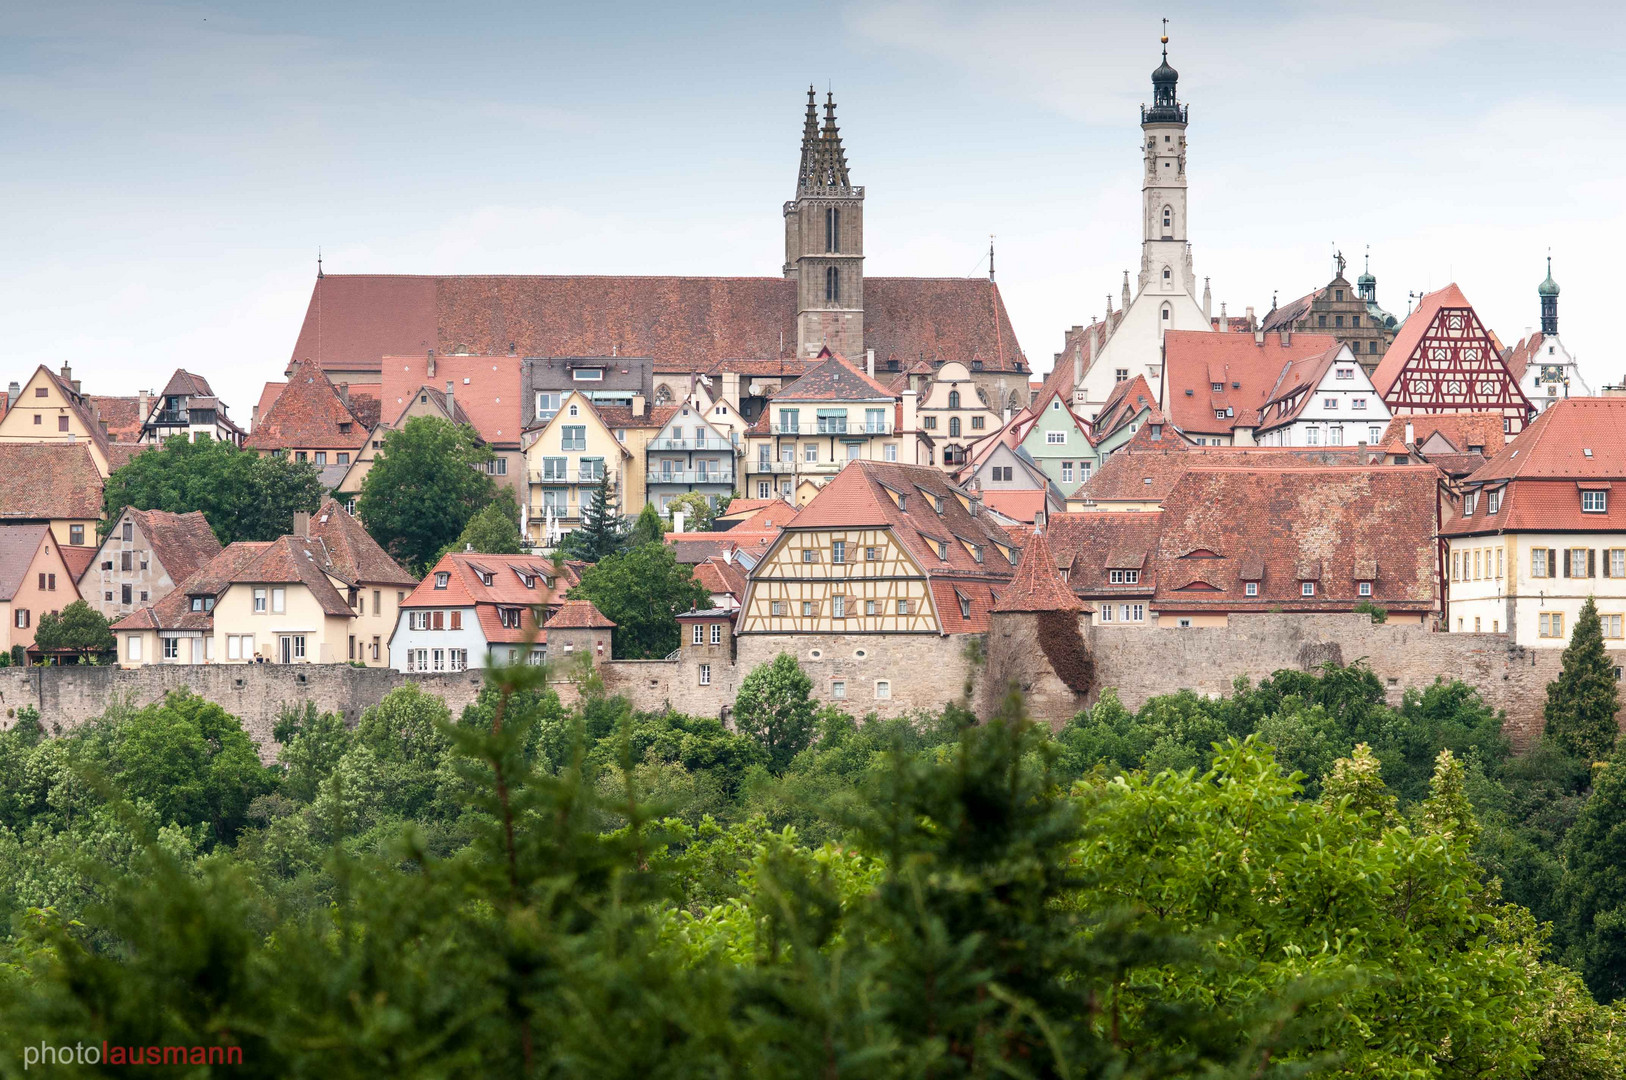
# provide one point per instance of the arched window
(663, 394)
(954, 427)
(954, 399)
(1168, 275)
(1168, 222)
(832, 229)
(1167, 312)
(832, 285)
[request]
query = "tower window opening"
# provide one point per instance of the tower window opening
(832, 285)
(1167, 274)
(1168, 221)
(832, 229)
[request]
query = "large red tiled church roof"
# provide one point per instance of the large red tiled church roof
(354, 320)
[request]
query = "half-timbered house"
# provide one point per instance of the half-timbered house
(1444, 360)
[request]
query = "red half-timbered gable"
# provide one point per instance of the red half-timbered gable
(1443, 360)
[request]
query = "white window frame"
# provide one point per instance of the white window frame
(705, 674)
(1307, 589)
(1055, 438)
(1250, 588)
(279, 601)
(1599, 501)
(716, 633)
(883, 690)
(698, 637)
(1364, 588)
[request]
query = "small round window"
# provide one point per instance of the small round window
(816, 654)
(860, 653)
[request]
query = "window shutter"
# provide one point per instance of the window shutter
(1567, 563)
(1591, 562)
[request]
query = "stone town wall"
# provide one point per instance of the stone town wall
(1140, 664)
(923, 672)
(67, 696)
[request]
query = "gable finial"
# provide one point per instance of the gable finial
(319, 262)
(991, 257)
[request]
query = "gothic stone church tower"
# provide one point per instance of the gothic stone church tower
(824, 242)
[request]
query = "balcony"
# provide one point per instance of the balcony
(691, 444)
(710, 476)
(568, 476)
(787, 429)
(167, 418)
(778, 467)
(568, 513)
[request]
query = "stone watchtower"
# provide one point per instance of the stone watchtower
(824, 242)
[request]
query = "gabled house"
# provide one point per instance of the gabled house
(1239, 540)
(1324, 400)
(1455, 443)
(1444, 360)
(427, 401)
(34, 581)
(1348, 312)
(570, 454)
(1131, 405)
(1013, 485)
(1544, 368)
(1216, 387)
(882, 549)
(312, 420)
(145, 555)
(1540, 528)
(955, 413)
(1059, 440)
(486, 390)
(188, 407)
(722, 578)
(324, 594)
(474, 610)
(52, 483)
(813, 427)
(1109, 561)
(51, 408)
(689, 453)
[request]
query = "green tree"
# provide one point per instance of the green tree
(77, 628)
(493, 530)
(648, 528)
(699, 514)
(1581, 702)
(775, 707)
(242, 495)
(424, 487)
(1593, 893)
(603, 531)
(642, 591)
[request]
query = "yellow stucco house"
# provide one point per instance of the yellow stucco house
(567, 456)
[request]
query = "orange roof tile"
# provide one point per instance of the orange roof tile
(578, 615)
(1246, 372)
(307, 414)
(485, 388)
(1036, 586)
(48, 480)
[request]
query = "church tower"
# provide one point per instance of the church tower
(1548, 291)
(824, 241)
(1165, 265)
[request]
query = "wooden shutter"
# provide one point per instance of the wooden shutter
(439, 618)
(457, 620)
(1591, 562)
(1567, 563)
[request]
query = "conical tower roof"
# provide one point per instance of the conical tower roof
(1037, 586)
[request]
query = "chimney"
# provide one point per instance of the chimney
(451, 400)
(1249, 313)
(254, 417)
(144, 404)
(909, 400)
(1039, 518)
(1259, 338)
(67, 375)
(104, 429)
(638, 404)
(1411, 434)
(1225, 322)
(344, 394)
(431, 371)
(13, 392)
(677, 521)
(731, 388)
(869, 362)
(1286, 336)
(302, 524)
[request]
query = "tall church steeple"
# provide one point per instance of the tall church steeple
(824, 240)
(1165, 254)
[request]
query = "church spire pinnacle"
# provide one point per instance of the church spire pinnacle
(824, 162)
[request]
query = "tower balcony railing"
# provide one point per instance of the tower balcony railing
(1164, 114)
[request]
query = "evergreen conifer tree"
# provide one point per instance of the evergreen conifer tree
(603, 531)
(647, 529)
(1582, 701)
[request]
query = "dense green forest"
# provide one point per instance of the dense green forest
(1296, 879)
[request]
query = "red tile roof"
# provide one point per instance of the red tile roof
(174, 611)
(18, 546)
(1517, 359)
(48, 480)
(1138, 472)
(486, 388)
(77, 559)
(268, 397)
(978, 595)
(354, 552)
(466, 587)
(308, 414)
(1036, 586)
(578, 615)
(1461, 430)
(1125, 403)
(182, 543)
(1222, 527)
(354, 320)
(295, 560)
(1089, 546)
(1015, 504)
(1437, 308)
(123, 415)
(1246, 372)
(718, 576)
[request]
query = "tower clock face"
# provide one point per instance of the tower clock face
(1550, 373)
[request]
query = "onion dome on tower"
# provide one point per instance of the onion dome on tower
(1166, 109)
(1548, 291)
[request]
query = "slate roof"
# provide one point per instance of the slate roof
(354, 320)
(1036, 586)
(1333, 526)
(49, 480)
(1246, 371)
(355, 554)
(486, 388)
(18, 543)
(578, 615)
(308, 413)
(182, 543)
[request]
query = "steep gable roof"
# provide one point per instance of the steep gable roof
(1125, 403)
(1090, 545)
(49, 480)
(354, 553)
(1245, 369)
(717, 575)
(1572, 439)
(308, 412)
(182, 543)
(1444, 358)
(695, 323)
(1517, 359)
(1461, 430)
(174, 611)
(121, 413)
(578, 615)
(1036, 585)
(484, 388)
(832, 378)
(18, 545)
(297, 560)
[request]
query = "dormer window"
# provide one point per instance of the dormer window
(1250, 588)
(1594, 502)
(485, 579)
(442, 579)
(587, 374)
(203, 603)
(1469, 501)
(1217, 388)
(1123, 577)
(1306, 588)
(942, 551)
(1493, 501)
(1364, 588)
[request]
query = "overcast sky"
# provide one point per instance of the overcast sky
(172, 169)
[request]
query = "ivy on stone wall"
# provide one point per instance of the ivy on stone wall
(1063, 646)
